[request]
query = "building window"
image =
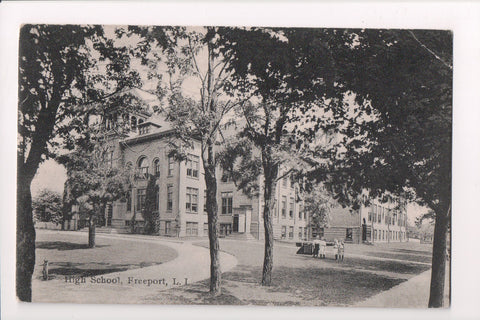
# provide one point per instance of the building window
(205, 229)
(292, 208)
(192, 200)
(383, 234)
(300, 211)
(141, 193)
(225, 229)
(192, 229)
(129, 200)
(143, 129)
(227, 202)
(171, 164)
(284, 182)
(168, 228)
(380, 215)
(292, 182)
(284, 206)
(290, 232)
(300, 233)
(349, 234)
(192, 166)
(157, 196)
(305, 233)
(375, 235)
(142, 168)
(169, 198)
(156, 167)
(133, 123)
(284, 232)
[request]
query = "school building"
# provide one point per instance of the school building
(180, 187)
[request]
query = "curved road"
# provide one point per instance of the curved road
(136, 285)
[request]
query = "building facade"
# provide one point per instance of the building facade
(377, 223)
(180, 191)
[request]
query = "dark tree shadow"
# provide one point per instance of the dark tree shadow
(83, 269)
(88, 269)
(62, 245)
(413, 251)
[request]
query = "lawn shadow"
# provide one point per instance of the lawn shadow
(381, 265)
(63, 245)
(427, 252)
(88, 269)
(321, 286)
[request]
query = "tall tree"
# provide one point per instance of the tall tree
(94, 178)
(399, 134)
(56, 74)
(199, 118)
(52, 64)
(292, 75)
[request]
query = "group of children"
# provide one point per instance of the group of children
(320, 246)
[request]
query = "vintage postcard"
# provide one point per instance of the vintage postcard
(216, 164)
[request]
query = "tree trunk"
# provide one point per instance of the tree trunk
(91, 231)
(437, 281)
(209, 165)
(212, 211)
(270, 172)
(25, 239)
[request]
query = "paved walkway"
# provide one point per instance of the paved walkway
(413, 293)
(136, 285)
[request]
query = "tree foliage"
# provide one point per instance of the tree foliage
(398, 137)
(48, 206)
(53, 77)
(94, 178)
(292, 78)
(150, 214)
(318, 207)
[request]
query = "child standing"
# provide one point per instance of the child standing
(341, 250)
(316, 247)
(323, 247)
(335, 248)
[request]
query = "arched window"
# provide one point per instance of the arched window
(143, 167)
(133, 123)
(156, 167)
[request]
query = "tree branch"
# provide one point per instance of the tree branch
(430, 51)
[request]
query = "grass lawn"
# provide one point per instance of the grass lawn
(68, 254)
(302, 280)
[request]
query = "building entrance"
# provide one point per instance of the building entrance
(235, 223)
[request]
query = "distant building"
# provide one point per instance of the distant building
(379, 222)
